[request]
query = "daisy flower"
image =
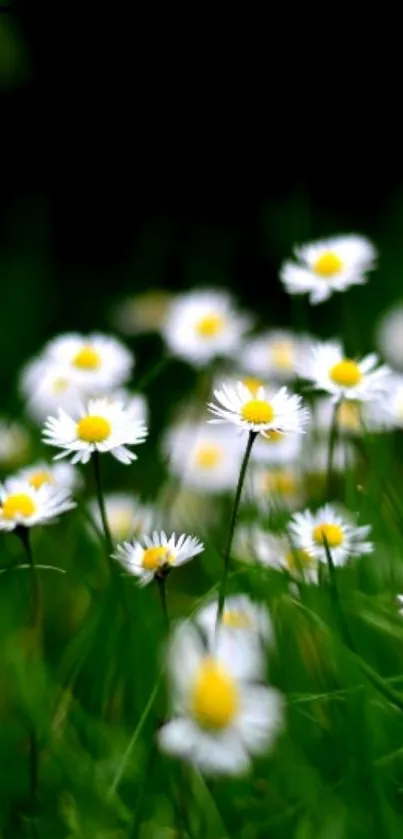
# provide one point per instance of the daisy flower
(310, 531)
(276, 486)
(95, 362)
(253, 544)
(126, 515)
(57, 475)
(389, 409)
(258, 412)
(142, 312)
(328, 265)
(277, 448)
(344, 378)
(315, 459)
(201, 325)
(399, 598)
(22, 504)
(389, 336)
(244, 631)
(46, 386)
(14, 444)
(203, 457)
(353, 417)
(222, 717)
(274, 354)
(103, 426)
(156, 554)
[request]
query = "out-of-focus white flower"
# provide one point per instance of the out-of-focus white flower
(14, 444)
(399, 598)
(310, 532)
(127, 517)
(57, 475)
(204, 457)
(46, 386)
(223, 718)
(389, 409)
(315, 458)
(95, 362)
(328, 265)
(202, 325)
(259, 412)
(353, 418)
(142, 312)
(277, 448)
(253, 544)
(276, 486)
(156, 554)
(344, 378)
(135, 404)
(103, 426)
(273, 355)
(22, 505)
(389, 336)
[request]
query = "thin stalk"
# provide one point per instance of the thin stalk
(227, 555)
(101, 503)
(161, 583)
(332, 443)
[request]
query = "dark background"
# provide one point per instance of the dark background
(143, 152)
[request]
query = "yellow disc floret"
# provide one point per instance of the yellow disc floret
(328, 265)
(18, 505)
(209, 326)
(39, 478)
(330, 533)
(93, 429)
(155, 557)
(257, 411)
(214, 699)
(87, 359)
(297, 560)
(208, 457)
(345, 373)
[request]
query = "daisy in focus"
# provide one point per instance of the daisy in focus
(223, 717)
(328, 265)
(203, 457)
(310, 532)
(244, 631)
(274, 354)
(156, 555)
(95, 362)
(283, 412)
(23, 505)
(103, 426)
(56, 475)
(344, 378)
(126, 516)
(202, 325)
(14, 444)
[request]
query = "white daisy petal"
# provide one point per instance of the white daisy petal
(310, 532)
(153, 556)
(259, 412)
(344, 378)
(23, 504)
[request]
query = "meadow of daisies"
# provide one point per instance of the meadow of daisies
(219, 651)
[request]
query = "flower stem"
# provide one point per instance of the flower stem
(161, 583)
(332, 443)
(227, 555)
(101, 503)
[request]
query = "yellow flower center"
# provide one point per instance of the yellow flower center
(297, 560)
(18, 505)
(280, 482)
(208, 457)
(332, 533)
(345, 373)
(39, 478)
(282, 354)
(328, 265)
(273, 436)
(209, 326)
(214, 700)
(252, 384)
(93, 429)
(60, 384)
(154, 558)
(87, 359)
(236, 620)
(257, 411)
(349, 416)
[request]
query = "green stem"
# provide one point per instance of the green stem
(161, 583)
(153, 372)
(101, 503)
(227, 555)
(332, 443)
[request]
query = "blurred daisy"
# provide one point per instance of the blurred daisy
(389, 336)
(203, 457)
(156, 554)
(258, 412)
(126, 515)
(57, 475)
(14, 444)
(310, 531)
(95, 362)
(315, 458)
(46, 386)
(276, 486)
(23, 505)
(274, 354)
(253, 544)
(390, 407)
(142, 312)
(223, 718)
(201, 325)
(135, 404)
(102, 427)
(244, 631)
(276, 448)
(328, 265)
(399, 598)
(344, 378)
